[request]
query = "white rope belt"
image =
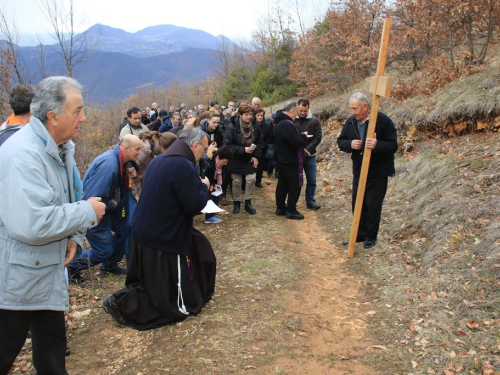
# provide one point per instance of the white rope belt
(180, 300)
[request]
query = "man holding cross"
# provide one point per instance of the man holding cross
(384, 145)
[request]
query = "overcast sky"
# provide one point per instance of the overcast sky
(232, 18)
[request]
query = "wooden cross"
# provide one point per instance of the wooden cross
(379, 86)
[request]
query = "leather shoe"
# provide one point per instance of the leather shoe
(294, 215)
(281, 211)
(369, 244)
(115, 271)
(259, 185)
(346, 242)
(109, 305)
(313, 206)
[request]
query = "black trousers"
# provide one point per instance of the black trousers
(288, 185)
(226, 179)
(48, 338)
(371, 211)
(261, 167)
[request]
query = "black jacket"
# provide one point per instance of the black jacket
(241, 163)
(287, 140)
(313, 127)
(267, 134)
(382, 158)
(215, 136)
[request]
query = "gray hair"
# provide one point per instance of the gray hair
(256, 100)
(289, 105)
(190, 136)
(50, 95)
(361, 98)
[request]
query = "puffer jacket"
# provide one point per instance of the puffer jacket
(38, 214)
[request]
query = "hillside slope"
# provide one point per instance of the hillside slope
(436, 268)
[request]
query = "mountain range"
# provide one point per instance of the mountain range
(122, 63)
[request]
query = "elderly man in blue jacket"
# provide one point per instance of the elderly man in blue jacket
(108, 179)
(42, 221)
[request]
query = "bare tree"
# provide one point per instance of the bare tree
(17, 65)
(75, 48)
(41, 57)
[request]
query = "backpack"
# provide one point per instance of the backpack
(7, 132)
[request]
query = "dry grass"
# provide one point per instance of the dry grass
(440, 268)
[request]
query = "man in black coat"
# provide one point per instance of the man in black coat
(384, 145)
(289, 148)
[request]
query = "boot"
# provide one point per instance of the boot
(236, 208)
(269, 178)
(249, 208)
(223, 200)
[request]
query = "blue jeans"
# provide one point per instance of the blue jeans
(310, 171)
(127, 228)
(109, 254)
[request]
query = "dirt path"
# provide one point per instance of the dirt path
(287, 301)
(328, 302)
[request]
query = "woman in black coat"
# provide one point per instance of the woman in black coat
(245, 140)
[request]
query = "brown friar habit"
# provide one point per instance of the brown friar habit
(151, 297)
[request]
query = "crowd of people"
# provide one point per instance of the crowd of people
(139, 199)
(245, 130)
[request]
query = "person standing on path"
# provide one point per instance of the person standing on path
(42, 222)
(384, 145)
(289, 146)
(305, 121)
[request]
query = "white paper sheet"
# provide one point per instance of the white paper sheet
(211, 208)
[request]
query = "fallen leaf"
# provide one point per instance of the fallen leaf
(383, 347)
(415, 328)
(472, 324)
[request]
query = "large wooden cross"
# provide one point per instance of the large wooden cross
(379, 86)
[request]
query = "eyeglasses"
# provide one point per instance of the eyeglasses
(206, 148)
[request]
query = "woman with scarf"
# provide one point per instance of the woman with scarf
(245, 140)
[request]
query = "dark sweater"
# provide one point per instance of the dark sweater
(171, 195)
